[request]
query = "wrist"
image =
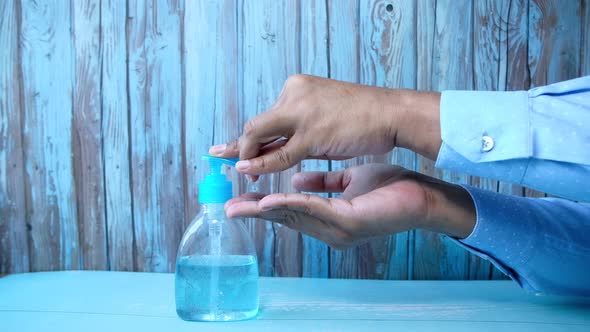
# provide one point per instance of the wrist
(416, 121)
(451, 210)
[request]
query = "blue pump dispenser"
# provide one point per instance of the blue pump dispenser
(215, 188)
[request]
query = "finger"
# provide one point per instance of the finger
(293, 219)
(320, 181)
(249, 197)
(327, 215)
(279, 142)
(305, 213)
(232, 149)
(298, 221)
(325, 157)
(313, 226)
(226, 150)
(244, 198)
(244, 208)
(278, 160)
(273, 145)
(312, 205)
(269, 148)
(262, 129)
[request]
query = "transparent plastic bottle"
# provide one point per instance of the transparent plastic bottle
(216, 267)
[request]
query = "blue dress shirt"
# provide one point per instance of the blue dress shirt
(539, 139)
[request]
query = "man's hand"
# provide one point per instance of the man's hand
(376, 200)
(326, 119)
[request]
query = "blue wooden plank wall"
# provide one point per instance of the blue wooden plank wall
(106, 107)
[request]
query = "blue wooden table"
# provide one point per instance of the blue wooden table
(125, 301)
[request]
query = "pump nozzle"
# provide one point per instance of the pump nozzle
(215, 188)
(215, 163)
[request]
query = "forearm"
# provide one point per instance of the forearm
(416, 120)
(536, 138)
(451, 210)
(539, 242)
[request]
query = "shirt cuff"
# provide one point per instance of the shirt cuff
(499, 236)
(486, 126)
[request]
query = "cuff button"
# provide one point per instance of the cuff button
(487, 143)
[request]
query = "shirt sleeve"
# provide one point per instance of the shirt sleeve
(538, 138)
(541, 243)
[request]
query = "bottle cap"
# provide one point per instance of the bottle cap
(215, 188)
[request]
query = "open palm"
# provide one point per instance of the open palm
(376, 200)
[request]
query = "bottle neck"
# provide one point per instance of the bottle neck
(215, 211)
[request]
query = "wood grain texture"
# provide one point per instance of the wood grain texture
(425, 27)
(48, 79)
(210, 95)
(200, 17)
(287, 304)
(517, 76)
(452, 64)
(115, 135)
(106, 107)
(210, 89)
(554, 45)
(490, 39)
(153, 45)
(314, 61)
(255, 30)
(517, 70)
(344, 65)
(14, 250)
(352, 57)
(87, 135)
(97, 323)
(490, 42)
(388, 59)
(554, 40)
(436, 256)
(288, 248)
(270, 55)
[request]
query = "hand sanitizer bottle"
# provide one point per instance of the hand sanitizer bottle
(216, 267)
